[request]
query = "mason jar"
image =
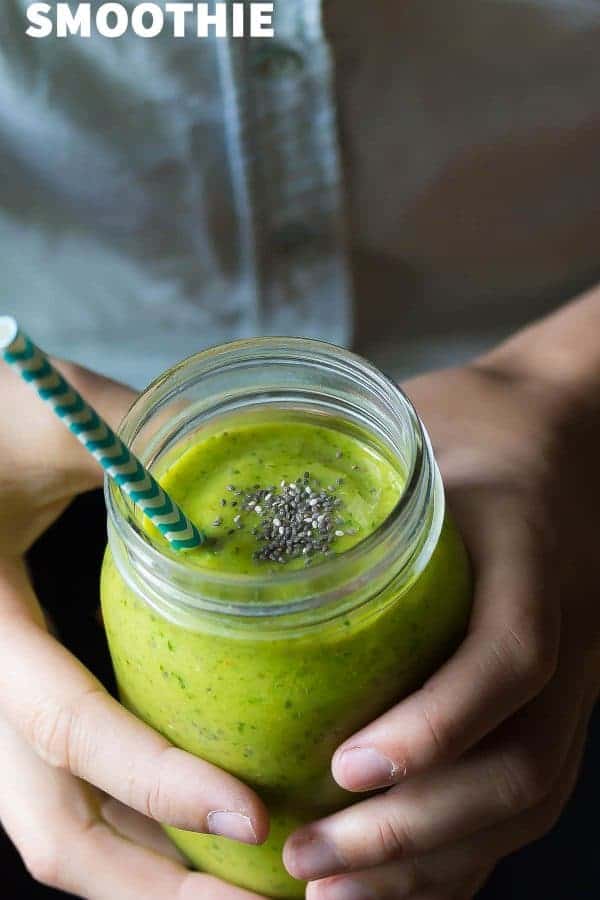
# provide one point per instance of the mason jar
(265, 675)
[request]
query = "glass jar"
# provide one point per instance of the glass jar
(266, 676)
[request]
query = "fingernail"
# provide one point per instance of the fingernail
(231, 825)
(312, 857)
(347, 889)
(365, 767)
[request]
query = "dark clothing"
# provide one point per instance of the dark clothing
(565, 865)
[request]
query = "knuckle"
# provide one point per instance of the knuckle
(522, 780)
(438, 727)
(47, 730)
(156, 802)
(58, 734)
(550, 817)
(542, 660)
(393, 840)
(532, 656)
(547, 815)
(44, 864)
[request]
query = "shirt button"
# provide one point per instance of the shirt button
(293, 237)
(274, 60)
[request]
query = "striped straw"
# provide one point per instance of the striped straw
(116, 459)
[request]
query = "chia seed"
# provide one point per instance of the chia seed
(295, 520)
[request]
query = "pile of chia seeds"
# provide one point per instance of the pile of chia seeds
(298, 519)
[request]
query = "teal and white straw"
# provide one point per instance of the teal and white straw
(116, 459)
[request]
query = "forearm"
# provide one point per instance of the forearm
(563, 348)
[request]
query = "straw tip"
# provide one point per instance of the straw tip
(8, 331)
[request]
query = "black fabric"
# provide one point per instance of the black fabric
(565, 865)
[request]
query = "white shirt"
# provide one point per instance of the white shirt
(158, 196)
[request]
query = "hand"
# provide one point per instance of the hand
(482, 759)
(83, 778)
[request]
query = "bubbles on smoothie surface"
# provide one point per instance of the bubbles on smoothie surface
(282, 492)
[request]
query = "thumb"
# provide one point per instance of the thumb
(42, 465)
(110, 399)
(41, 451)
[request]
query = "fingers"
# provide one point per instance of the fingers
(429, 812)
(137, 828)
(55, 823)
(510, 773)
(108, 866)
(505, 660)
(393, 882)
(468, 862)
(110, 399)
(73, 724)
(36, 485)
(466, 891)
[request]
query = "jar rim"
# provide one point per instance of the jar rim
(421, 476)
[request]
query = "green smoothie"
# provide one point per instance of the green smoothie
(281, 494)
